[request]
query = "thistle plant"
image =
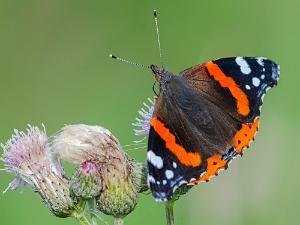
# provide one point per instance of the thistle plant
(105, 178)
(104, 174)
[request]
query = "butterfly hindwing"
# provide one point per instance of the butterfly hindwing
(169, 164)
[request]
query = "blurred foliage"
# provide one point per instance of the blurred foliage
(54, 69)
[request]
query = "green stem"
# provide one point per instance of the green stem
(83, 220)
(169, 212)
(91, 204)
(118, 221)
(79, 213)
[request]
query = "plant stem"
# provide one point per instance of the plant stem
(83, 220)
(79, 213)
(169, 212)
(118, 221)
(91, 204)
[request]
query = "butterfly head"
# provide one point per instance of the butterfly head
(158, 72)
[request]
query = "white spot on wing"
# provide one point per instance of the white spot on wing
(175, 188)
(247, 87)
(169, 174)
(182, 182)
(151, 179)
(244, 66)
(262, 77)
(260, 61)
(155, 160)
(191, 182)
(164, 182)
(255, 81)
(275, 72)
(193, 179)
(175, 165)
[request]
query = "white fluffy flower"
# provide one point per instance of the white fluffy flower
(79, 143)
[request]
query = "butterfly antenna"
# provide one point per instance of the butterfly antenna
(158, 37)
(129, 62)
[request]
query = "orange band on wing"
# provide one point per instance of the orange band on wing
(227, 82)
(214, 164)
(245, 135)
(187, 158)
(241, 141)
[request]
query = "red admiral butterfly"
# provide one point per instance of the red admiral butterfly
(203, 118)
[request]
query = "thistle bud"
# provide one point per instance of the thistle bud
(122, 179)
(119, 196)
(86, 181)
(139, 176)
(26, 155)
(55, 192)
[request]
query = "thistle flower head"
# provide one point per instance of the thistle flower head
(26, 155)
(143, 122)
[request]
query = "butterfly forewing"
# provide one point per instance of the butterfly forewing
(237, 84)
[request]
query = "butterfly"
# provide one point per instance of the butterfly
(203, 118)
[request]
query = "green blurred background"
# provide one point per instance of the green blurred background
(54, 69)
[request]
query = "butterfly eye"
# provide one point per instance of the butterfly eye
(157, 77)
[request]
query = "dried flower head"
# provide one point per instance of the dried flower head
(79, 143)
(26, 155)
(143, 123)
